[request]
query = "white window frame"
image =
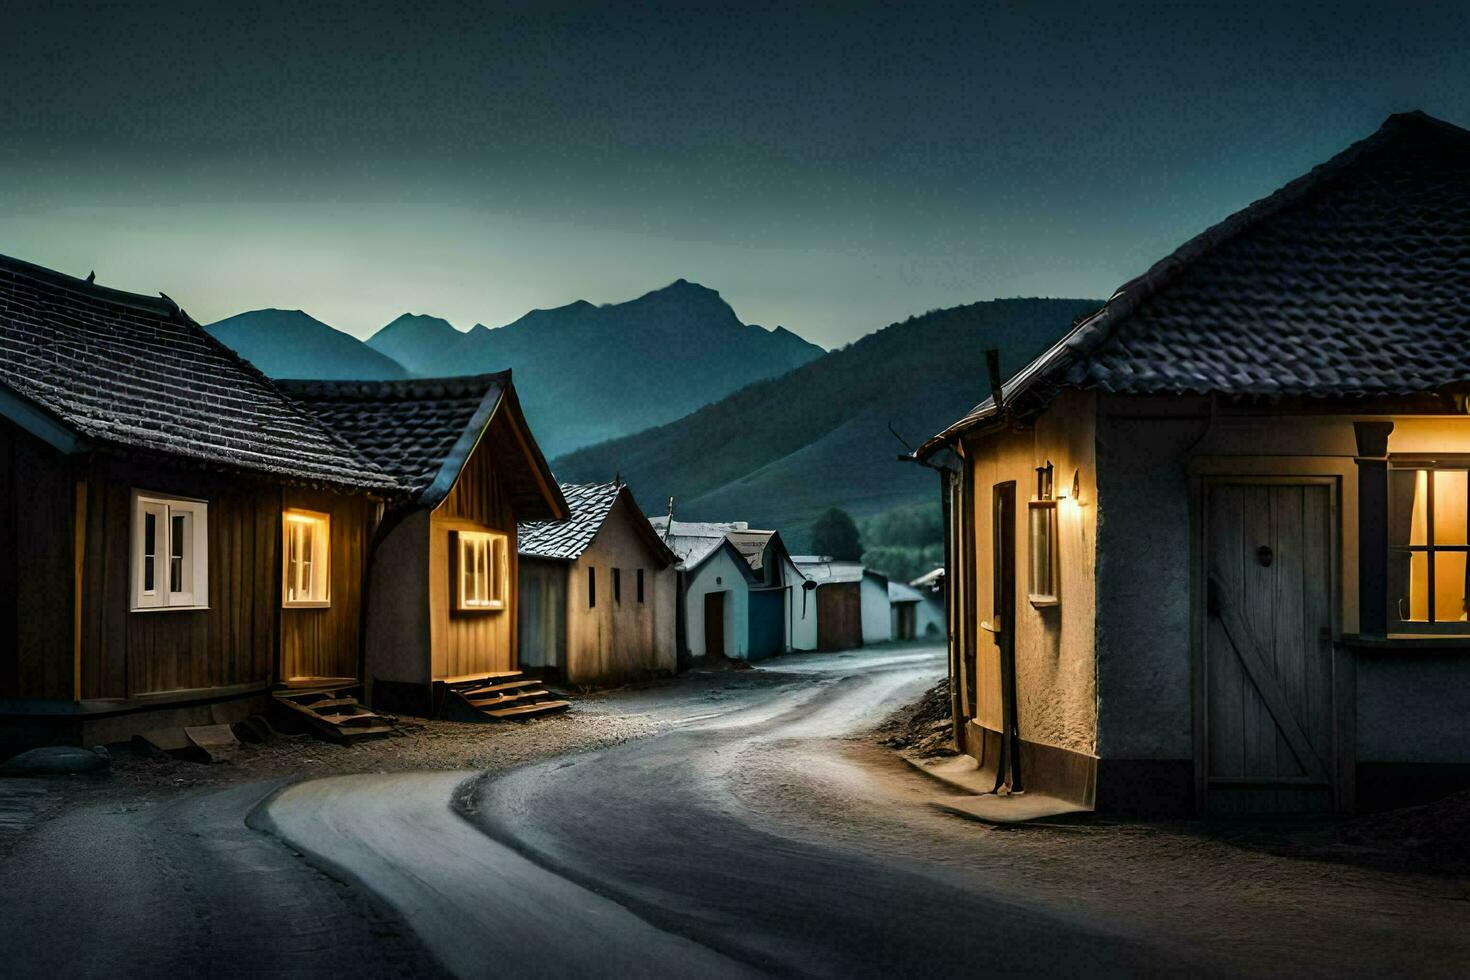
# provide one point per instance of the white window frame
(481, 570)
(313, 529)
(193, 557)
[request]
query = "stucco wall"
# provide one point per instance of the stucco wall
(618, 637)
(1054, 645)
(801, 612)
(877, 618)
(929, 621)
(1410, 707)
(398, 604)
(1414, 707)
(1143, 591)
(719, 574)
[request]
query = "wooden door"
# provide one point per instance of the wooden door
(714, 624)
(1002, 628)
(839, 616)
(1267, 672)
(767, 622)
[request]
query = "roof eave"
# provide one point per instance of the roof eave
(40, 422)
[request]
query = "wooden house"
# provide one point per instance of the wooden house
(176, 535)
(714, 583)
(1209, 550)
(442, 584)
(598, 590)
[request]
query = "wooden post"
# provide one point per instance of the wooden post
(1372, 461)
(79, 555)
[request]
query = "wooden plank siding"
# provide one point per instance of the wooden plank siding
(471, 642)
(324, 642)
(125, 654)
(37, 497)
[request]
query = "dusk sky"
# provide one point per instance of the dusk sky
(831, 168)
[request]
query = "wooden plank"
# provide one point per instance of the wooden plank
(1316, 639)
(79, 581)
(1258, 617)
(9, 566)
(1225, 682)
(1258, 670)
(1289, 651)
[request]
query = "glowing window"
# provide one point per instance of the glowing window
(1042, 582)
(170, 568)
(483, 572)
(306, 553)
(1428, 509)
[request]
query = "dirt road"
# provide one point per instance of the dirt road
(721, 825)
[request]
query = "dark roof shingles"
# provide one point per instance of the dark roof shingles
(135, 372)
(590, 504)
(1352, 280)
(407, 428)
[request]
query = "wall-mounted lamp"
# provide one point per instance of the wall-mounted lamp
(1077, 487)
(1044, 482)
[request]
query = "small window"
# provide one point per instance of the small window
(306, 551)
(1428, 546)
(1042, 583)
(591, 587)
(618, 586)
(170, 567)
(640, 585)
(483, 571)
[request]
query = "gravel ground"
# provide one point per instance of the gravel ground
(597, 720)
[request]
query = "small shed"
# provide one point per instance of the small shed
(598, 590)
(916, 614)
(714, 589)
(848, 613)
(443, 586)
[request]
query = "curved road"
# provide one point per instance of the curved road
(714, 850)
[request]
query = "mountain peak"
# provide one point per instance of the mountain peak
(295, 344)
(413, 339)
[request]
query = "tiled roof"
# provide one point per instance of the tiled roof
(692, 550)
(898, 592)
(408, 428)
(749, 542)
(590, 503)
(825, 570)
(423, 431)
(135, 372)
(1353, 280)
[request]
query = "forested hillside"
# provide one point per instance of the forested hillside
(778, 452)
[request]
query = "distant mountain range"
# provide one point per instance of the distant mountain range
(585, 373)
(779, 452)
(293, 344)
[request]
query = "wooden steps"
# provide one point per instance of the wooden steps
(503, 696)
(333, 713)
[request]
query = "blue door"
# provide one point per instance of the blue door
(767, 622)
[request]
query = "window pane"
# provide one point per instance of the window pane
(1041, 551)
(1400, 577)
(150, 550)
(1413, 604)
(1449, 507)
(176, 542)
(1408, 503)
(1449, 586)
